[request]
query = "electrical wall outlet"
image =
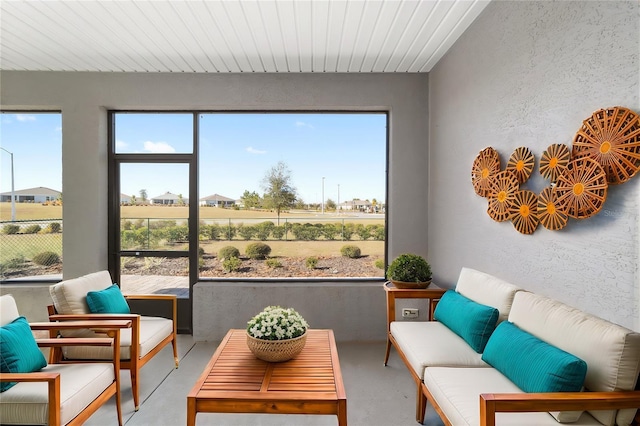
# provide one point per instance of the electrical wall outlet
(409, 313)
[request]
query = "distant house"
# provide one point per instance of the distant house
(125, 199)
(169, 199)
(32, 195)
(356, 205)
(217, 200)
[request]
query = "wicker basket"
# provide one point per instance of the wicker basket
(276, 350)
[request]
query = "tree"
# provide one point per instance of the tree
(330, 204)
(133, 200)
(279, 193)
(180, 200)
(250, 199)
(143, 195)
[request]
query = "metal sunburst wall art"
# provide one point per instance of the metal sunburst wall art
(605, 151)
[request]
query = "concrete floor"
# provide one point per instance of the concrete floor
(376, 395)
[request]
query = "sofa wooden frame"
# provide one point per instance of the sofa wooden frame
(136, 361)
(112, 329)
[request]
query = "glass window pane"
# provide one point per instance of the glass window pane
(154, 133)
(334, 169)
(154, 206)
(31, 195)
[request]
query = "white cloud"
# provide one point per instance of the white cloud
(25, 117)
(252, 150)
(158, 147)
(303, 124)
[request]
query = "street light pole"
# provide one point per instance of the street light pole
(322, 195)
(338, 208)
(13, 197)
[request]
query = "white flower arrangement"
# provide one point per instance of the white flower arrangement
(277, 323)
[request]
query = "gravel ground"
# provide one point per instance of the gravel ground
(328, 266)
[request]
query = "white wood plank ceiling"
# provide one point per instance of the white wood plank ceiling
(231, 35)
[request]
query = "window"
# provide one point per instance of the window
(304, 184)
(31, 195)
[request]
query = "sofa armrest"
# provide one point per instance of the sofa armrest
(492, 403)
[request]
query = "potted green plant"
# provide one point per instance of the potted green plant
(409, 271)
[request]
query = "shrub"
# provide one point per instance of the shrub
(363, 232)
(379, 263)
(10, 229)
(231, 264)
(311, 262)
(263, 230)
(246, 232)
(257, 250)
(352, 252)
(378, 233)
(228, 231)
(347, 231)
(279, 231)
(227, 252)
(53, 228)
(273, 263)
(200, 251)
(330, 231)
(32, 229)
(15, 262)
(46, 258)
(306, 232)
(214, 231)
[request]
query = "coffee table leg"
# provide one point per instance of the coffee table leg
(191, 411)
(342, 412)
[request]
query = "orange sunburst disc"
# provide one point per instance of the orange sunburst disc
(549, 215)
(523, 211)
(486, 164)
(502, 189)
(611, 137)
(521, 163)
(581, 189)
(553, 161)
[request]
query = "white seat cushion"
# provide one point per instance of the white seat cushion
(152, 331)
(487, 290)
(431, 344)
(80, 384)
(457, 392)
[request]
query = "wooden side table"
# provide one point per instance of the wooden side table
(433, 293)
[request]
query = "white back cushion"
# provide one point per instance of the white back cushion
(70, 296)
(8, 309)
(612, 352)
(487, 290)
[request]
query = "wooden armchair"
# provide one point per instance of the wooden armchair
(58, 394)
(148, 335)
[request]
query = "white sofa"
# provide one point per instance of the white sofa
(466, 390)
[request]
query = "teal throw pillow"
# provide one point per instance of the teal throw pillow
(532, 364)
(468, 319)
(19, 351)
(108, 301)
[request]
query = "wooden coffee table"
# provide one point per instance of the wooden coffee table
(235, 381)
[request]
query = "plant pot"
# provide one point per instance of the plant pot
(410, 285)
(276, 350)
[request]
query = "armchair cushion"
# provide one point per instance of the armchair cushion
(19, 351)
(107, 301)
(70, 296)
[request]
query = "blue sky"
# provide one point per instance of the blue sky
(236, 151)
